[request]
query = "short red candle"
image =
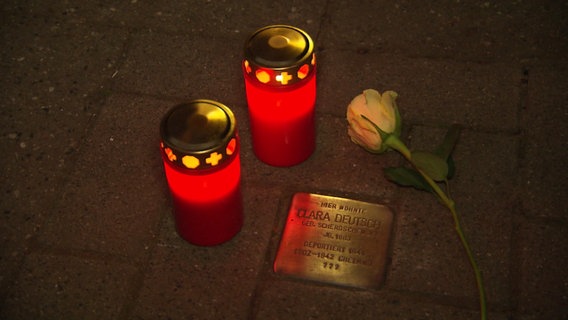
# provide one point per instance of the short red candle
(200, 151)
(280, 80)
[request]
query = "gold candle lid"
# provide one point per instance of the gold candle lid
(199, 135)
(279, 56)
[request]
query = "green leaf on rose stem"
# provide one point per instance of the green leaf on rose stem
(451, 167)
(452, 135)
(433, 165)
(447, 147)
(407, 178)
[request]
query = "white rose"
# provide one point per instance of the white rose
(381, 110)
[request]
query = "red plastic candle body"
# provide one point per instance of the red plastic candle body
(280, 80)
(282, 122)
(208, 207)
(200, 151)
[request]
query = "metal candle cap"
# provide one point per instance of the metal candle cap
(279, 56)
(199, 135)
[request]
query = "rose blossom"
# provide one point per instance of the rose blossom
(380, 109)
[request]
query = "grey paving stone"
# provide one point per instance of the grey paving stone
(286, 299)
(184, 67)
(544, 117)
(196, 17)
(55, 286)
(431, 91)
(541, 266)
(116, 194)
(48, 99)
(463, 30)
(187, 281)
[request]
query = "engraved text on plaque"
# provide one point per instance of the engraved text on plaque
(335, 240)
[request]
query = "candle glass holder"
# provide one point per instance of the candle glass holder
(279, 69)
(200, 152)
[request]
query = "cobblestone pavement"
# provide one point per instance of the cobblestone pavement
(86, 226)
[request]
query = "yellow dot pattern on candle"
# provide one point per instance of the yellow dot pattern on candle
(195, 162)
(284, 77)
(190, 162)
(247, 66)
(170, 154)
(262, 76)
(303, 71)
(214, 159)
(231, 146)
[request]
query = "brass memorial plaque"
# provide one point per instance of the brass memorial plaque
(335, 240)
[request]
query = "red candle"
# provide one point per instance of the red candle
(200, 151)
(280, 79)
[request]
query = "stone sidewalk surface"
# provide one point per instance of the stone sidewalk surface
(86, 228)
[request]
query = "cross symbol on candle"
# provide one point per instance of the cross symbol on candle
(284, 77)
(214, 158)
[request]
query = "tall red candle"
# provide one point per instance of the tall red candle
(200, 151)
(280, 79)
